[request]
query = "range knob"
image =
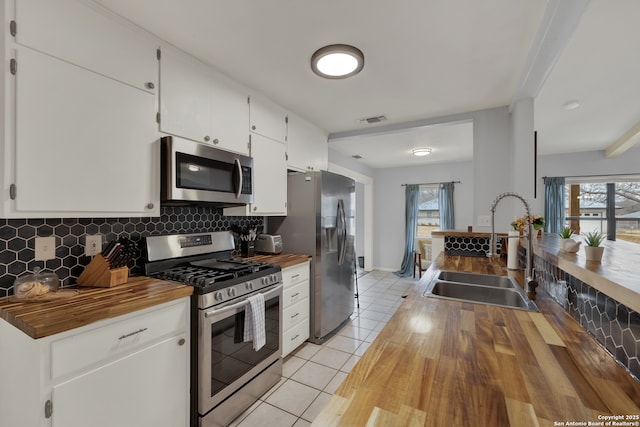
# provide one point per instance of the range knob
(265, 280)
(218, 296)
(231, 292)
(249, 286)
(273, 278)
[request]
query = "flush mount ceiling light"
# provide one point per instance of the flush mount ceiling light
(420, 152)
(337, 61)
(571, 105)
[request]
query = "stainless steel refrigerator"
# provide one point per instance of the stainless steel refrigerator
(320, 222)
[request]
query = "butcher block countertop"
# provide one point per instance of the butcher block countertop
(42, 319)
(446, 363)
(283, 260)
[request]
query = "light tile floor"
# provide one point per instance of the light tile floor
(313, 372)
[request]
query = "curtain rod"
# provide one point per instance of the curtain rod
(598, 176)
(431, 183)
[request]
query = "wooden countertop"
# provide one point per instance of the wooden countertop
(617, 275)
(283, 260)
(446, 363)
(41, 319)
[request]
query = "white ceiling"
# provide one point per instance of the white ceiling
(423, 59)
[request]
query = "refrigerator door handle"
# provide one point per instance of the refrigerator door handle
(342, 232)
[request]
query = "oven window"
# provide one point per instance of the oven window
(231, 358)
(198, 173)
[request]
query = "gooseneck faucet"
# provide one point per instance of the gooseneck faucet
(530, 283)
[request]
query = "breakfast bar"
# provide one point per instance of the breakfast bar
(443, 362)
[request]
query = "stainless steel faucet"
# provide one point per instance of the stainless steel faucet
(530, 283)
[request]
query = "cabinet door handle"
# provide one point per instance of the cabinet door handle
(48, 409)
(207, 138)
(130, 334)
(215, 141)
(253, 127)
(150, 85)
(182, 341)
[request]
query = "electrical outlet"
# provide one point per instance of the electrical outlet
(45, 248)
(484, 221)
(93, 244)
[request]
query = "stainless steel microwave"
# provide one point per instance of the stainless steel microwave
(195, 173)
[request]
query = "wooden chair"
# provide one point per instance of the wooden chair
(421, 256)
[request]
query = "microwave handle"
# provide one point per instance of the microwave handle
(218, 311)
(239, 172)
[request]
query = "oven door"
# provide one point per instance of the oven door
(225, 362)
(195, 172)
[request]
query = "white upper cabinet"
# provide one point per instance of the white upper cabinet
(230, 115)
(79, 94)
(267, 119)
(185, 96)
(269, 179)
(200, 104)
(83, 34)
(307, 147)
(88, 146)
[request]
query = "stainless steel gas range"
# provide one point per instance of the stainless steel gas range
(228, 374)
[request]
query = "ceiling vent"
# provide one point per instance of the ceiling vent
(373, 119)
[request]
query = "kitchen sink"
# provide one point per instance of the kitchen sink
(478, 279)
(510, 297)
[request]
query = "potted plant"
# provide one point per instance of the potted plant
(567, 244)
(593, 251)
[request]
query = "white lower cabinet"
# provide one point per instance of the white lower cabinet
(295, 306)
(132, 370)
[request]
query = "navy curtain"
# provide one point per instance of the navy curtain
(553, 204)
(445, 199)
(411, 193)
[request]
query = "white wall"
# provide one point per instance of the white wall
(360, 229)
(492, 137)
(389, 205)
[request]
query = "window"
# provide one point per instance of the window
(428, 212)
(610, 206)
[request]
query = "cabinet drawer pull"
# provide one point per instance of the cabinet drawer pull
(295, 276)
(295, 295)
(296, 337)
(133, 333)
(295, 315)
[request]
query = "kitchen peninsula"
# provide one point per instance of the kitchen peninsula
(440, 362)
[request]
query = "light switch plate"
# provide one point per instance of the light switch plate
(484, 221)
(45, 248)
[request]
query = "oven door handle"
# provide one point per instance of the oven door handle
(221, 310)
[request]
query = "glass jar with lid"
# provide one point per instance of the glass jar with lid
(36, 284)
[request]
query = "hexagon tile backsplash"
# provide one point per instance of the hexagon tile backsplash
(17, 238)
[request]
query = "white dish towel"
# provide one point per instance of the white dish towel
(254, 322)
